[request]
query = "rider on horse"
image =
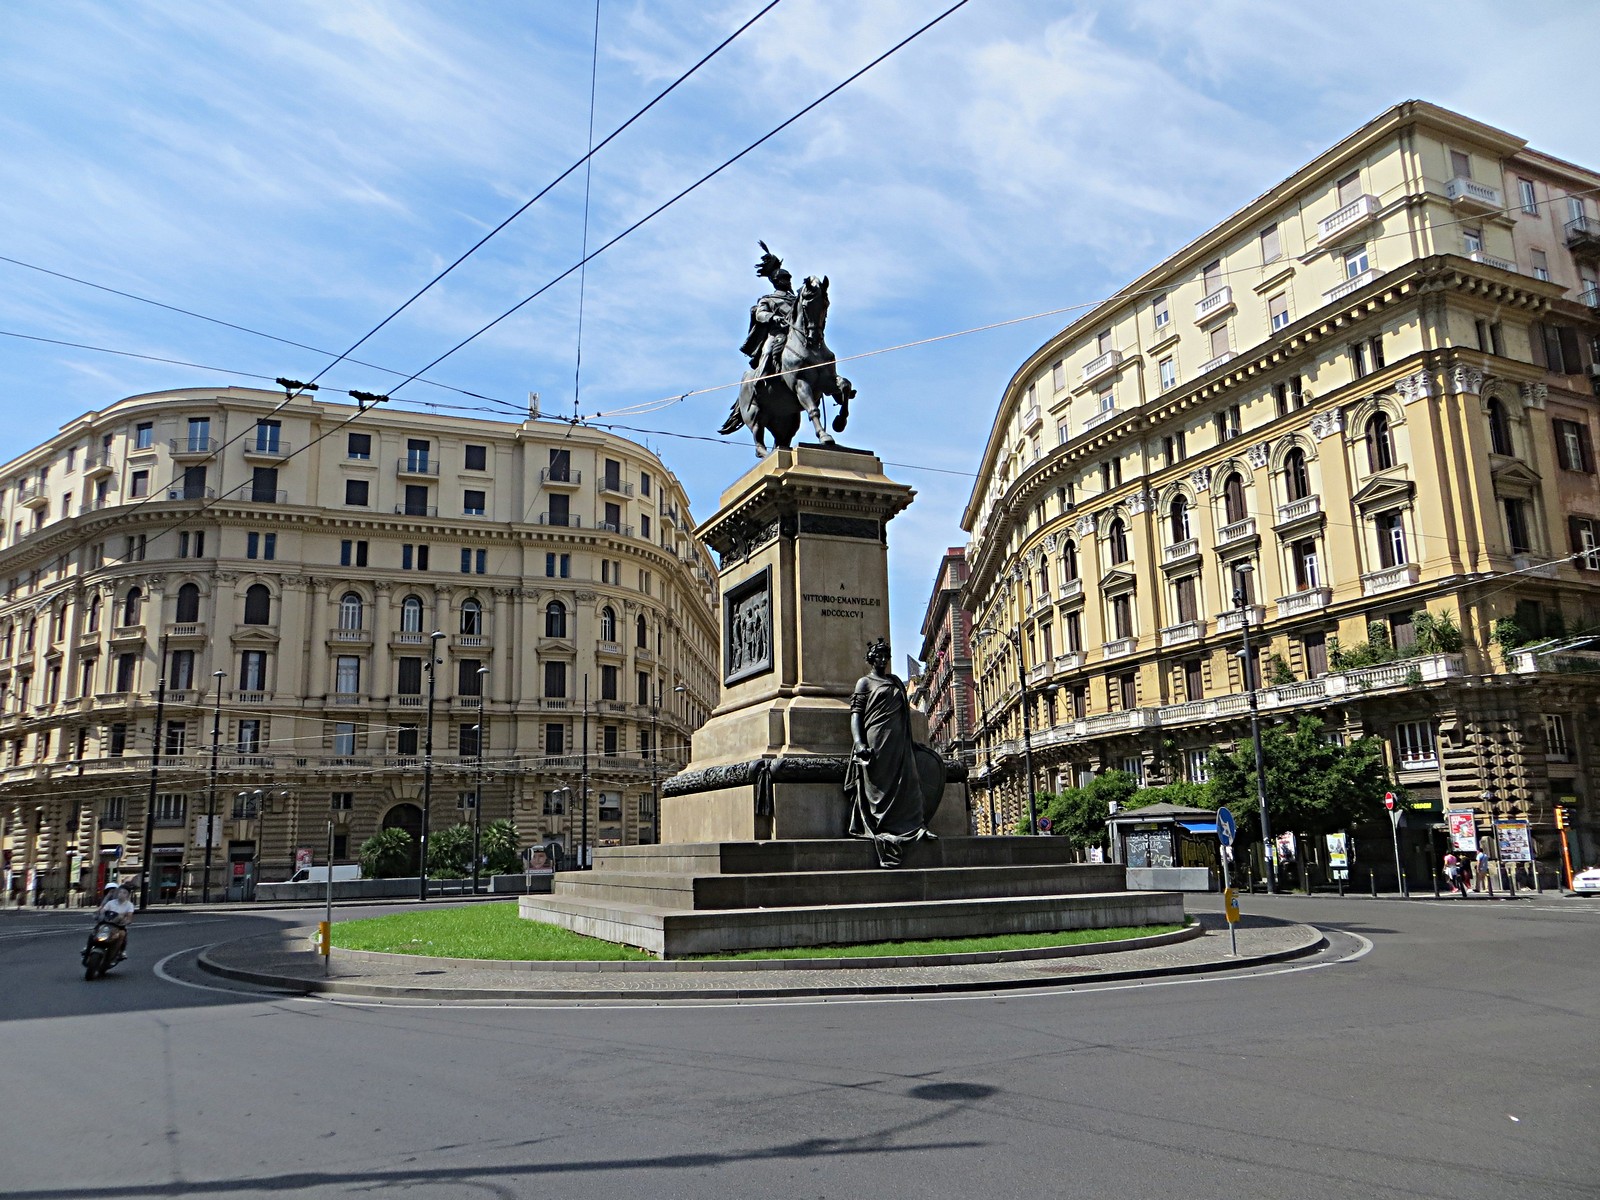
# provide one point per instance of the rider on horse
(770, 317)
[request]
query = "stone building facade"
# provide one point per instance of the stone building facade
(314, 553)
(945, 685)
(1365, 395)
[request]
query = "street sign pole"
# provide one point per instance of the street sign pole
(1227, 830)
(1394, 825)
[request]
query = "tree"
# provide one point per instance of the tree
(500, 845)
(1184, 795)
(387, 854)
(1079, 814)
(450, 852)
(1313, 786)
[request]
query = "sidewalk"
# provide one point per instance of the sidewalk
(276, 961)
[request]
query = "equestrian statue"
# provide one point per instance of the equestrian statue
(791, 367)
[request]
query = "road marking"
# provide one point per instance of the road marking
(19, 935)
(1363, 948)
(160, 972)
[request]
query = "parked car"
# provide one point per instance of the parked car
(1587, 883)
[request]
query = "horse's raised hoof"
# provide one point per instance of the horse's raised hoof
(839, 423)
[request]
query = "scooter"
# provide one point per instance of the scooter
(101, 954)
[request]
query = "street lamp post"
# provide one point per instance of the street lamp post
(427, 763)
(1240, 603)
(477, 791)
(211, 800)
(155, 773)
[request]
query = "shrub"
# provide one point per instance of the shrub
(386, 854)
(450, 852)
(1279, 672)
(500, 845)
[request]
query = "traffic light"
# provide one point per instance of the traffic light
(1561, 817)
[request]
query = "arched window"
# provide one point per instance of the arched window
(641, 633)
(1380, 445)
(1296, 476)
(29, 631)
(1178, 518)
(131, 605)
(1500, 430)
(608, 624)
(555, 619)
(257, 605)
(92, 622)
(411, 614)
(1233, 498)
(1117, 539)
(1069, 561)
(188, 604)
(471, 616)
(350, 611)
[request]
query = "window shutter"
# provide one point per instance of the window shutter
(1536, 343)
(1585, 448)
(1575, 535)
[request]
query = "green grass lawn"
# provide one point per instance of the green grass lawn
(496, 932)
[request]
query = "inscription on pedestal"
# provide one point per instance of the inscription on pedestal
(747, 628)
(850, 608)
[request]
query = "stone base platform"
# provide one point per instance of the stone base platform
(709, 898)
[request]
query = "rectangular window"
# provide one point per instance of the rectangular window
(1349, 188)
(1211, 276)
(126, 665)
(344, 738)
(1414, 745)
(1219, 340)
(467, 740)
(1556, 744)
(139, 485)
(183, 545)
(1525, 193)
(1541, 264)
(1315, 646)
(1356, 262)
(252, 670)
(1073, 631)
(473, 502)
(644, 483)
(352, 553)
(417, 454)
(355, 492)
(406, 740)
(117, 741)
(1196, 766)
(555, 680)
(416, 501)
(560, 511)
(557, 566)
(560, 470)
(177, 737)
(347, 675)
(1168, 370)
(468, 681)
(144, 435)
(1128, 691)
(1307, 572)
(476, 458)
(1159, 307)
(1584, 534)
(1358, 360)
(180, 673)
(263, 485)
(267, 436)
(1573, 448)
(643, 690)
(408, 676)
(1517, 532)
(1391, 539)
(1270, 250)
(1122, 616)
(341, 802)
(1058, 375)
(609, 741)
(359, 446)
(612, 473)
(1472, 241)
(1460, 164)
(1278, 311)
(1183, 594)
(555, 739)
(644, 526)
(608, 683)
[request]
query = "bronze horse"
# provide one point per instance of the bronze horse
(772, 403)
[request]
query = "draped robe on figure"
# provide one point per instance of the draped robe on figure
(885, 795)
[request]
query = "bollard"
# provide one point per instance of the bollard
(1436, 883)
(1372, 881)
(1341, 885)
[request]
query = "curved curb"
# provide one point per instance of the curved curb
(691, 965)
(1310, 945)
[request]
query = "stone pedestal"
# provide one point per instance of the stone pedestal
(804, 584)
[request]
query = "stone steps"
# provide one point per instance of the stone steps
(831, 854)
(702, 892)
(676, 932)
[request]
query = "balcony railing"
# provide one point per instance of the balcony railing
(1101, 365)
(416, 510)
(1071, 589)
(1040, 672)
(1583, 234)
(266, 496)
(186, 629)
(1184, 631)
(192, 447)
(561, 520)
(1490, 260)
(32, 495)
(1354, 284)
(418, 465)
(1118, 647)
(1234, 617)
(615, 486)
(98, 463)
(1238, 531)
(1299, 510)
(251, 697)
(1389, 578)
(410, 637)
(560, 477)
(471, 641)
(1211, 364)
(1472, 194)
(408, 700)
(1070, 661)
(1353, 215)
(614, 527)
(1095, 420)
(191, 492)
(1215, 304)
(1179, 551)
(271, 449)
(1031, 418)
(1309, 600)
(360, 636)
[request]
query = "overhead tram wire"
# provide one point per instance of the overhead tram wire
(544, 191)
(706, 178)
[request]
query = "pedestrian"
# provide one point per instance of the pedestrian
(1483, 870)
(1452, 872)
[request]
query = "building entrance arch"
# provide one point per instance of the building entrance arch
(409, 818)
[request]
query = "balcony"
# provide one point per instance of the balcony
(1389, 579)
(1117, 722)
(1103, 364)
(265, 450)
(1347, 219)
(1211, 364)
(191, 448)
(416, 510)
(1490, 260)
(561, 520)
(1526, 564)
(1354, 284)
(127, 633)
(1590, 296)
(614, 527)
(560, 477)
(467, 702)
(1032, 419)
(604, 647)
(1232, 620)
(98, 464)
(1119, 647)
(1040, 672)
(1180, 552)
(1184, 631)
(407, 700)
(1095, 420)
(1072, 660)
(266, 496)
(614, 487)
(642, 654)
(1309, 600)
(1583, 236)
(471, 641)
(409, 637)
(1071, 589)
(1238, 531)
(1471, 196)
(346, 698)
(251, 697)
(186, 629)
(417, 466)
(191, 491)
(1303, 509)
(359, 637)
(1214, 305)
(31, 495)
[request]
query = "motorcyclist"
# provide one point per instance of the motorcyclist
(117, 909)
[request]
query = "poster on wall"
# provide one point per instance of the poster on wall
(1338, 852)
(302, 859)
(1515, 845)
(1463, 831)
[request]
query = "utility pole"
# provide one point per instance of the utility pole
(211, 799)
(477, 793)
(432, 664)
(583, 845)
(655, 758)
(155, 772)
(1239, 602)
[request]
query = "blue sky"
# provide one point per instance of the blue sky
(301, 166)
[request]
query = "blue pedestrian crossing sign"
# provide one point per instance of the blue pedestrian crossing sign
(1227, 827)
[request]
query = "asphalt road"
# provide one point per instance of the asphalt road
(1438, 1050)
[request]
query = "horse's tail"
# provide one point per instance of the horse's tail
(735, 421)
